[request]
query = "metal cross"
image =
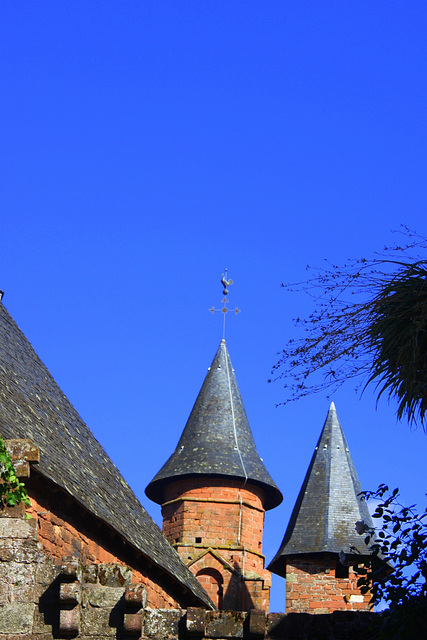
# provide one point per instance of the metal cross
(225, 283)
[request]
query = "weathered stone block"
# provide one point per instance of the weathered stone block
(22, 449)
(195, 621)
(162, 623)
(18, 511)
(69, 593)
(133, 623)
(90, 573)
(17, 580)
(71, 568)
(46, 572)
(22, 468)
(6, 551)
(136, 595)
(18, 528)
(40, 625)
(69, 621)
(17, 617)
(256, 623)
(225, 624)
(114, 575)
(27, 551)
(96, 622)
(104, 596)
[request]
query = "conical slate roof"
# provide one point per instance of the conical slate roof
(33, 406)
(328, 506)
(217, 439)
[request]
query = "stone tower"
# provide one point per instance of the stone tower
(322, 525)
(214, 491)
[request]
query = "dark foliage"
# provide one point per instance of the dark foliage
(398, 570)
(370, 324)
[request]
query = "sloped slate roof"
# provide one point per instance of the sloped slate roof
(33, 406)
(217, 439)
(328, 506)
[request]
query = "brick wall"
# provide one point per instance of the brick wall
(312, 586)
(216, 526)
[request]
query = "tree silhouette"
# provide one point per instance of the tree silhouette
(369, 324)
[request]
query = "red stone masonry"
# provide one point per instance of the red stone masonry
(66, 530)
(313, 587)
(62, 538)
(216, 525)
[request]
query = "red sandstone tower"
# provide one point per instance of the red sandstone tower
(214, 490)
(322, 525)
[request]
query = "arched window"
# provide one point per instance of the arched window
(212, 581)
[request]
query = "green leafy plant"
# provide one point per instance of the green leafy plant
(397, 574)
(12, 491)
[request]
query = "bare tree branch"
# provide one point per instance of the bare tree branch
(369, 324)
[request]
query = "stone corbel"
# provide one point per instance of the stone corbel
(135, 601)
(22, 452)
(69, 599)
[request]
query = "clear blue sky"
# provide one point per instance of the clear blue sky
(148, 145)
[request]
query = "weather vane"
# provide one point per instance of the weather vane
(225, 283)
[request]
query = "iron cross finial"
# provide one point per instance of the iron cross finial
(225, 283)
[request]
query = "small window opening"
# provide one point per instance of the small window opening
(341, 571)
(198, 540)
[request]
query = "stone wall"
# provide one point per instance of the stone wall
(25, 572)
(41, 600)
(64, 529)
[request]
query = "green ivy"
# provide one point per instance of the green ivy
(12, 492)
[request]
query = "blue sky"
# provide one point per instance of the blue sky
(148, 145)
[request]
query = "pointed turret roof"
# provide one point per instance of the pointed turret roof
(217, 439)
(328, 505)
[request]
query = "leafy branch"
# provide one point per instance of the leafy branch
(12, 491)
(370, 324)
(397, 572)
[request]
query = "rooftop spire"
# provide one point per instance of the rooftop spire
(217, 439)
(328, 505)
